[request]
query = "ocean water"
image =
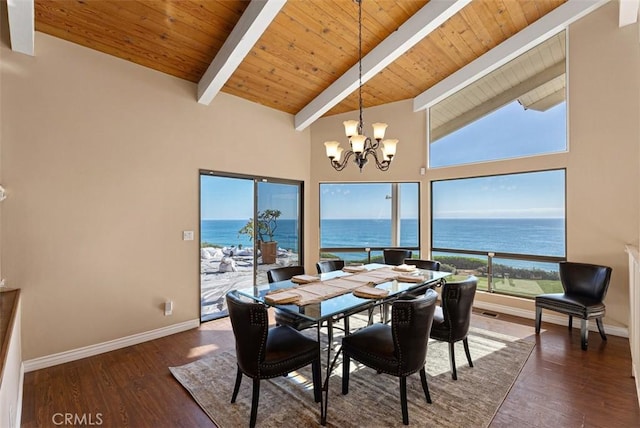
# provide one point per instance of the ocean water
(545, 237)
(224, 233)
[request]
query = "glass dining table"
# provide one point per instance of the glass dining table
(325, 313)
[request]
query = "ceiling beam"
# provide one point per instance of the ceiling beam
(416, 28)
(21, 25)
(253, 22)
(628, 12)
(532, 35)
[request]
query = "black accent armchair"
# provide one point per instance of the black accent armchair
(282, 317)
(329, 265)
(398, 349)
(395, 256)
(451, 320)
(585, 287)
(264, 353)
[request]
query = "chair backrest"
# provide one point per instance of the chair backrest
(325, 266)
(395, 256)
(423, 264)
(250, 324)
(410, 326)
(585, 279)
(457, 301)
(284, 273)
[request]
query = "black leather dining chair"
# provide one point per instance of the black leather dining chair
(265, 353)
(399, 349)
(422, 264)
(585, 287)
(451, 320)
(282, 317)
(395, 256)
(325, 266)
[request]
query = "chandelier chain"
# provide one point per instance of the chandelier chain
(360, 64)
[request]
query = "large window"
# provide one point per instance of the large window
(509, 230)
(516, 110)
(358, 220)
(248, 225)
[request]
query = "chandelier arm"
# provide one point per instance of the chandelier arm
(381, 165)
(339, 166)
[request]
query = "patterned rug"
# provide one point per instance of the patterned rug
(373, 399)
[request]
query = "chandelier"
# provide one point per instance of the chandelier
(360, 145)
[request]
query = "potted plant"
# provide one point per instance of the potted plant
(267, 223)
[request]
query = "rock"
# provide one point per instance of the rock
(227, 264)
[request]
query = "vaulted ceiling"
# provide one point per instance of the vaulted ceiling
(305, 47)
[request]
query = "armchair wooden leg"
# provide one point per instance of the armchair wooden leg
(345, 373)
(538, 319)
(236, 388)
(452, 358)
(584, 333)
(254, 402)
(570, 322)
(425, 386)
(601, 328)
(465, 342)
(403, 400)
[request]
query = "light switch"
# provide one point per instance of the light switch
(187, 235)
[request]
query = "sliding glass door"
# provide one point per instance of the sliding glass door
(248, 225)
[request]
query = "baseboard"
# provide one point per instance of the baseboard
(548, 317)
(112, 345)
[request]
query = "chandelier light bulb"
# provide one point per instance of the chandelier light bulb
(350, 127)
(389, 148)
(357, 143)
(378, 130)
(332, 149)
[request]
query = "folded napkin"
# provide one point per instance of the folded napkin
(304, 279)
(354, 269)
(404, 268)
(282, 297)
(410, 278)
(370, 292)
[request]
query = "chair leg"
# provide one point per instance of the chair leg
(452, 358)
(425, 386)
(570, 322)
(345, 373)
(584, 333)
(465, 342)
(236, 388)
(538, 319)
(317, 380)
(254, 402)
(403, 400)
(601, 328)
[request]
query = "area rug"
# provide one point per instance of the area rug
(373, 399)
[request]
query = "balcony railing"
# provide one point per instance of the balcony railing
(360, 254)
(521, 275)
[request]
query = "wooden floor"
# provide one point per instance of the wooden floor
(560, 385)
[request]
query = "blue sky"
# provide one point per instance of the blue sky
(224, 198)
(508, 132)
(366, 200)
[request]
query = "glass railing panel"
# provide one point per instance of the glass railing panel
(463, 265)
(525, 278)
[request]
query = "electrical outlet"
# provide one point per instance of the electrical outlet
(187, 235)
(168, 308)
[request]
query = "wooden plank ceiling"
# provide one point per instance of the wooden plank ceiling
(306, 48)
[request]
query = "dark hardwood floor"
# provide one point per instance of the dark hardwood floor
(559, 386)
